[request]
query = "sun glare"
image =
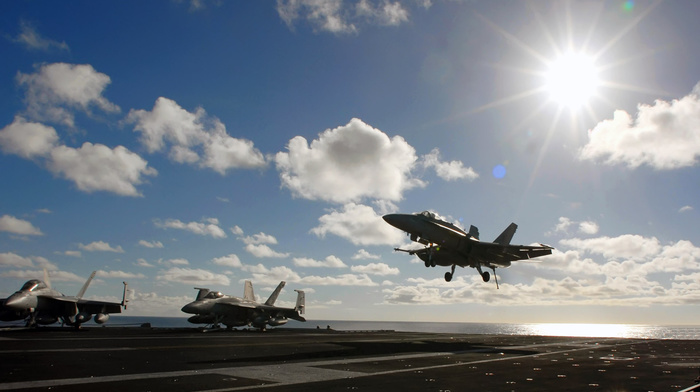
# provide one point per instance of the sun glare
(572, 80)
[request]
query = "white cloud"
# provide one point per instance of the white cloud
(685, 209)
(627, 246)
(179, 261)
(448, 171)
(263, 251)
(119, 275)
(588, 227)
(358, 224)
(32, 40)
(16, 261)
(364, 255)
(348, 163)
(73, 253)
(330, 262)
(54, 275)
(92, 167)
(14, 225)
(193, 276)
(96, 167)
(375, 269)
(193, 138)
(339, 17)
(664, 136)
(28, 139)
(144, 263)
(100, 246)
(231, 260)
(151, 244)
(55, 90)
(260, 238)
(208, 227)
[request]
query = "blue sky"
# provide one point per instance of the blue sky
(181, 144)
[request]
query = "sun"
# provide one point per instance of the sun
(571, 80)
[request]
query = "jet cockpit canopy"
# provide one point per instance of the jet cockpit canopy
(213, 295)
(428, 214)
(33, 285)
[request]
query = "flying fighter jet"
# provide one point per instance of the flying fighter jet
(212, 307)
(448, 245)
(38, 303)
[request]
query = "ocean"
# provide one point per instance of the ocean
(684, 332)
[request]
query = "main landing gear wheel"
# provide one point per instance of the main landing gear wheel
(448, 276)
(486, 276)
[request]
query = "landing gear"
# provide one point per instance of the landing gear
(449, 275)
(486, 276)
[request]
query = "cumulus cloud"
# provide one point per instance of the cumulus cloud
(193, 276)
(263, 251)
(56, 90)
(30, 38)
(28, 139)
(100, 246)
(9, 259)
(329, 262)
(96, 167)
(14, 225)
(685, 209)
(348, 163)
(448, 171)
(375, 269)
(364, 255)
(208, 227)
(119, 275)
(54, 275)
(663, 136)
(260, 238)
(92, 167)
(588, 227)
(193, 138)
(231, 260)
(151, 244)
(627, 246)
(341, 17)
(358, 224)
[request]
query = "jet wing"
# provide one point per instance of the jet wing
(94, 307)
(57, 306)
(503, 255)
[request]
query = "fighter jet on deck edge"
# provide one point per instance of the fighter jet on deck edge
(448, 245)
(38, 303)
(213, 307)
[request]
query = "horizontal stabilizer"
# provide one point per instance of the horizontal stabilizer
(507, 235)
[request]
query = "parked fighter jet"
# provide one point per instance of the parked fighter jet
(212, 307)
(448, 245)
(38, 303)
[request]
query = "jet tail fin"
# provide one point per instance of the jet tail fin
(248, 291)
(85, 286)
(46, 278)
(273, 297)
(507, 235)
(202, 293)
(474, 232)
(301, 301)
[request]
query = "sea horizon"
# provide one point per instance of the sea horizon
(644, 331)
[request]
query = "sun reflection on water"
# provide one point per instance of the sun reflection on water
(586, 330)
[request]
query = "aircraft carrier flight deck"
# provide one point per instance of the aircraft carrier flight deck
(187, 359)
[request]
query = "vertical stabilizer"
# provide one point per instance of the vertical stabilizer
(474, 232)
(301, 301)
(202, 293)
(507, 235)
(47, 282)
(248, 291)
(85, 286)
(273, 297)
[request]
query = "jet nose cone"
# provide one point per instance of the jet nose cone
(391, 219)
(190, 308)
(17, 302)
